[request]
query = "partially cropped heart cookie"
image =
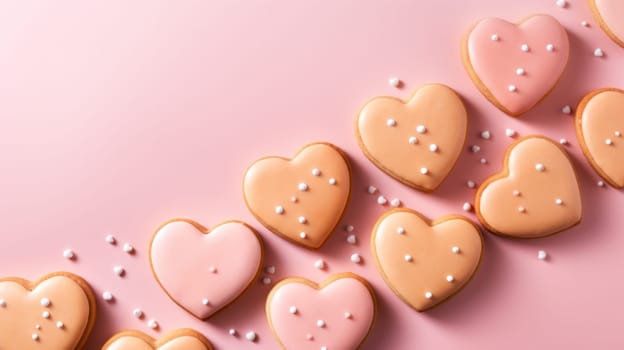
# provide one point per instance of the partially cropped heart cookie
(411, 140)
(536, 194)
(301, 199)
(337, 314)
(609, 13)
(425, 262)
(181, 339)
(56, 312)
(205, 270)
(516, 65)
(599, 128)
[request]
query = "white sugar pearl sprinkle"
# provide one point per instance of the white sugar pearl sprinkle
(617, 134)
(450, 278)
(512, 88)
(138, 313)
(356, 258)
(45, 302)
(516, 193)
(266, 281)
(152, 324)
(381, 200)
(319, 264)
(302, 220)
(433, 147)
(352, 239)
(332, 181)
(510, 132)
(251, 336)
(522, 209)
(348, 315)
(566, 109)
(60, 325)
(119, 270)
(232, 332)
(279, 210)
(421, 129)
(302, 186)
(609, 142)
(320, 324)
(424, 171)
(470, 184)
(212, 269)
(598, 52)
(486, 134)
(205, 302)
(412, 140)
(303, 235)
(292, 310)
(542, 255)
(524, 48)
(110, 239)
(483, 161)
(540, 167)
(270, 269)
(37, 326)
(324, 348)
(391, 122)
(428, 295)
(107, 296)
(316, 172)
(69, 254)
(563, 141)
(562, 3)
(455, 250)
(584, 24)
(395, 202)
(600, 184)
(372, 189)
(394, 82)
(35, 337)
(400, 230)
(45, 314)
(467, 206)
(349, 228)
(128, 248)
(408, 258)
(559, 201)
(2, 303)
(550, 47)
(520, 71)
(494, 37)
(475, 148)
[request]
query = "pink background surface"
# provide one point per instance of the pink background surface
(118, 116)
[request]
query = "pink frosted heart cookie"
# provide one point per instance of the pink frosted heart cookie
(56, 312)
(516, 65)
(599, 128)
(535, 195)
(300, 199)
(180, 339)
(610, 16)
(411, 140)
(204, 270)
(425, 262)
(337, 314)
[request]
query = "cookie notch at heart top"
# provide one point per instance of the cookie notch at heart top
(515, 66)
(301, 199)
(411, 140)
(61, 302)
(338, 313)
(426, 262)
(229, 255)
(180, 339)
(609, 14)
(599, 128)
(537, 193)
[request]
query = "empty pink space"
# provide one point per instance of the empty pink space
(116, 116)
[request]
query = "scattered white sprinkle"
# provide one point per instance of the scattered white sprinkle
(512, 88)
(119, 270)
(400, 230)
(35, 337)
(455, 250)
(522, 209)
(316, 172)
(408, 258)
(323, 347)
(266, 281)
(421, 129)
(394, 82)
(618, 134)
(391, 122)
(294, 199)
(303, 235)
(467, 206)
(212, 269)
(270, 269)
(510, 132)
(128, 248)
(110, 239)
(516, 193)
(205, 302)
(562, 3)
(395, 202)
(483, 161)
(428, 295)
(598, 52)
(559, 201)
(37, 326)
(45, 314)
(372, 189)
(69, 254)
(320, 264)
(251, 336)
(494, 37)
(138, 313)
(520, 71)
(475, 148)
(600, 184)
(348, 315)
(349, 228)
(352, 239)
(524, 47)
(381, 200)
(609, 142)
(320, 324)
(486, 134)
(542, 255)
(2, 303)
(45, 302)
(152, 324)
(433, 147)
(424, 171)
(332, 181)
(585, 24)
(563, 141)
(232, 332)
(540, 167)
(302, 220)
(470, 184)
(279, 210)
(309, 337)
(356, 258)
(60, 325)
(566, 109)
(550, 47)
(107, 296)
(292, 310)
(450, 278)
(412, 140)
(303, 186)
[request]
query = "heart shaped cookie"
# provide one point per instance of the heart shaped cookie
(56, 312)
(300, 199)
(181, 339)
(516, 65)
(337, 314)
(425, 262)
(204, 270)
(411, 140)
(599, 128)
(537, 193)
(609, 14)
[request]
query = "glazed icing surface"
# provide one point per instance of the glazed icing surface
(496, 62)
(416, 257)
(601, 120)
(399, 149)
(300, 330)
(24, 310)
(612, 13)
(193, 266)
(273, 182)
(533, 210)
(135, 343)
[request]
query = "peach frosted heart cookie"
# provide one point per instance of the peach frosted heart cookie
(336, 314)
(204, 270)
(609, 14)
(516, 65)
(300, 199)
(425, 262)
(599, 128)
(535, 195)
(180, 339)
(411, 140)
(57, 312)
